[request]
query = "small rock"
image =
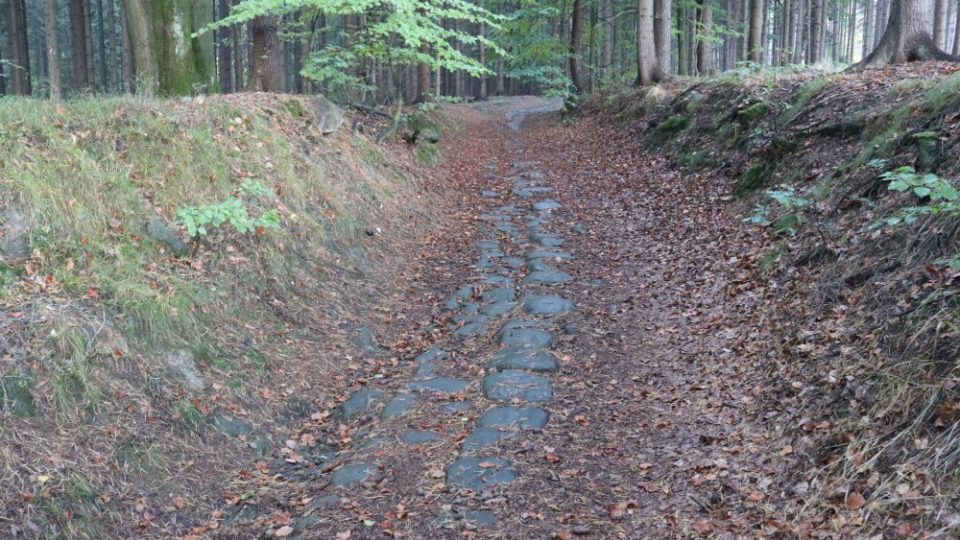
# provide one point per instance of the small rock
(359, 401)
(182, 366)
(507, 385)
(329, 116)
(356, 473)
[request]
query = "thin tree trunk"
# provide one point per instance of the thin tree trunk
(868, 28)
(816, 47)
(606, 54)
(104, 79)
(112, 43)
(956, 34)
(238, 55)
(663, 38)
(88, 37)
(575, 38)
(423, 77)
(682, 66)
(755, 43)
(53, 49)
(224, 53)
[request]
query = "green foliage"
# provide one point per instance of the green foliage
(788, 201)
(200, 220)
(942, 195)
(397, 33)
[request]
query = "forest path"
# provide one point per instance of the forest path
(587, 377)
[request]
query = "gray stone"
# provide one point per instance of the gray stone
(595, 282)
(522, 192)
(507, 385)
(418, 437)
(547, 277)
(464, 293)
(356, 473)
(426, 370)
(526, 337)
(579, 228)
(515, 263)
(546, 305)
(364, 340)
(492, 253)
(400, 404)
(485, 264)
(514, 418)
(480, 518)
(548, 254)
(467, 312)
(500, 294)
(15, 238)
(15, 396)
(260, 446)
(439, 385)
(540, 265)
(158, 230)
(506, 227)
(546, 205)
(480, 473)
(233, 427)
(547, 239)
(329, 116)
(540, 189)
(490, 194)
(498, 280)
(182, 366)
(499, 309)
(475, 328)
(524, 358)
(488, 244)
(359, 401)
(322, 503)
(525, 164)
(430, 355)
(481, 439)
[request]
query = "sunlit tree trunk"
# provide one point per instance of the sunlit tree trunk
(755, 43)
(646, 45)
(663, 37)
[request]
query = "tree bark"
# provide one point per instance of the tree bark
(908, 37)
(576, 34)
(423, 77)
(956, 34)
(53, 49)
(940, 24)
(224, 49)
(112, 44)
(145, 66)
(704, 35)
(104, 78)
(646, 44)
(78, 46)
(816, 47)
(88, 36)
(266, 55)
(663, 37)
(20, 80)
(754, 43)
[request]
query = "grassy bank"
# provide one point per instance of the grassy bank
(178, 277)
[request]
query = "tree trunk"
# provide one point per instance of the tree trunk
(956, 34)
(868, 28)
(940, 24)
(224, 57)
(704, 35)
(663, 37)
(146, 70)
(53, 49)
(606, 51)
(20, 83)
(646, 44)
(78, 46)
(575, 38)
(908, 36)
(112, 44)
(88, 37)
(682, 66)
(482, 90)
(104, 79)
(816, 47)
(266, 55)
(754, 43)
(423, 77)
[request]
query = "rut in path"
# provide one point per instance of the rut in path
(562, 400)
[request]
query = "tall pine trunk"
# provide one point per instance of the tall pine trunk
(646, 44)
(53, 49)
(663, 37)
(908, 36)
(704, 38)
(20, 80)
(576, 33)
(754, 42)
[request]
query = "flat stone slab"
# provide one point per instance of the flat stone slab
(475, 328)
(526, 337)
(548, 254)
(439, 385)
(400, 404)
(485, 263)
(480, 473)
(514, 263)
(497, 280)
(541, 265)
(507, 385)
(500, 294)
(430, 355)
(233, 427)
(543, 206)
(524, 358)
(488, 244)
(509, 417)
(359, 401)
(353, 474)
(480, 518)
(482, 438)
(547, 239)
(499, 309)
(546, 305)
(547, 277)
(418, 437)
(490, 194)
